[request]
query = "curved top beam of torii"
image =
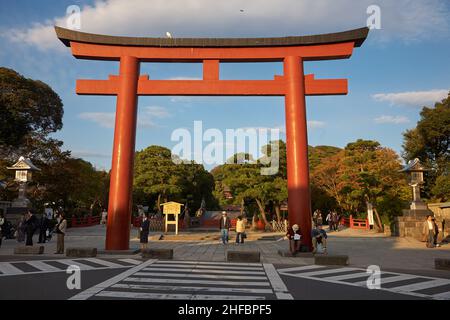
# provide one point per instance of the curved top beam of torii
(313, 47)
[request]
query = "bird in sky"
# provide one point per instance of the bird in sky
(168, 35)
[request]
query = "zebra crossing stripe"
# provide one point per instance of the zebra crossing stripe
(153, 296)
(69, 262)
(99, 287)
(185, 266)
(202, 276)
(191, 289)
(205, 271)
(328, 271)
(131, 261)
(7, 268)
(389, 279)
(213, 263)
(41, 265)
(303, 268)
(442, 296)
(198, 281)
(347, 276)
(104, 263)
(422, 285)
(278, 285)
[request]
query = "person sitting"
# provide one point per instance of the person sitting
(319, 236)
(293, 234)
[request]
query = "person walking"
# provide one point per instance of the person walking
(436, 233)
(2, 225)
(225, 225)
(335, 219)
(144, 231)
(240, 230)
(31, 224)
(319, 236)
(43, 226)
(315, 216)
(294, 235)
(428, 232)
(60, 231)
(104, 217)
(329, 220)
(20, 230)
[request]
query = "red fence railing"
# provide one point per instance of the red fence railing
(356, 223)
(84, 221)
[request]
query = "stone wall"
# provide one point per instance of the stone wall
(441, 212)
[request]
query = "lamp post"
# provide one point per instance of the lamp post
(23, 174)
(415, 170)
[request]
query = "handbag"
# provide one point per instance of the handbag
(244, 235)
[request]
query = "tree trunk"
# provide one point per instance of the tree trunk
(380, 225)
(277, 212)
(242, 207)
(263, 214)
(158, 203)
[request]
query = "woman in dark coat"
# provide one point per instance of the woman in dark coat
(145, 229)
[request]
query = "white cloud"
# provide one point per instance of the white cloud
(104, 119)
(391, 119)
(402, 19)
(413, 98)
(156, 112)
(314, 124)
(145, 118)
(90, 154)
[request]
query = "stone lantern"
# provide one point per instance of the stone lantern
(415, 171)
(23, 174)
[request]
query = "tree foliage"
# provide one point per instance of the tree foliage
(430, 142)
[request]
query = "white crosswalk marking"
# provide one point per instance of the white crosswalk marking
(209, 271)
(191, 280)
(202, 276)
(212, 282)
(104, 263)
(70, 262)
(45, 266)
(389, 279)
(220, 267)
(348, 276)
(131, 261)
(7, 268)
(300, 268)
(398, 282)
(149, 295)
(191, 288)
(41, 265)
(423, 285)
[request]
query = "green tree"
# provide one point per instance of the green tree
(430, 142)
(29, 111)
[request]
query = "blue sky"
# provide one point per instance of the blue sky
(400, 67)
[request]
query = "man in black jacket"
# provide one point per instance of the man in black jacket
(225, 225)
(30, 227)
(43, 226)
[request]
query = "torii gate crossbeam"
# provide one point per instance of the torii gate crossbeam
(294, 85)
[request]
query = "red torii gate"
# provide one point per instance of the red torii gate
(129, 84)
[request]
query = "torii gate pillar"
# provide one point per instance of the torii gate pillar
(299, 203)
(120, 190)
